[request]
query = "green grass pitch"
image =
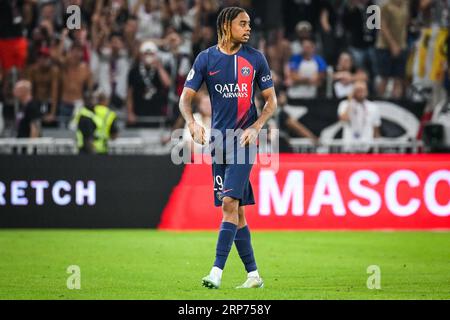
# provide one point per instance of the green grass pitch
(148, 264)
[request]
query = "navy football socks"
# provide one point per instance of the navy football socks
(244, 248)
(224, 243)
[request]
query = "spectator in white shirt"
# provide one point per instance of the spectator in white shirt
(361, 119)
(150, 19)
(110, 65)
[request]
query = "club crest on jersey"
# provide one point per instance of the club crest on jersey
(245, 71)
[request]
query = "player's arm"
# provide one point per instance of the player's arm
(185, 105)
(193, 83)
(250, 134)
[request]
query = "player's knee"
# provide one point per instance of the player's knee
(230, 206)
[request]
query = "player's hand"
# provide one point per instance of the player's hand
(249, 136)
(197, 132)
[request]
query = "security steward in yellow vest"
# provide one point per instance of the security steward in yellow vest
(95, 126)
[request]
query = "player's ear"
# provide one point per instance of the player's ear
(225, 28)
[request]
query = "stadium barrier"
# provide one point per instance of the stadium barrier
(326, 192)
(39, 146)
(151, 145)
(379, 145)
(85, 191)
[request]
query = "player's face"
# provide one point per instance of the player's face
(240, 28)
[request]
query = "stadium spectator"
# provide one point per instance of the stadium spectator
(110, 66)
(76, 82)
(176, 58)
(203, 39)
(114, 13)
(331, 28)
(80, 37)
(303, 30)
(182, 19)
(345, 75)
(300, 10)
(391, 46)
(204, 35)
(148, 84)
(45, 81)
(13, 44)
(361, 119)
(130, 37)
(150, 19)
(420, 17)
(40, 37)
(206, 12)
(360, 39)
(96, 124)
(306, 72)
(48, 16)
(277, 50)
(28, 118)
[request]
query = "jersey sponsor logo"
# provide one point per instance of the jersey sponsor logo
(245, 71)
(266, 78)
(190, 75)
(211, 73)
(232, 90)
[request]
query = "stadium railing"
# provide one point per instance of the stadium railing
(380, 145)
(38, 146)
(152, 145)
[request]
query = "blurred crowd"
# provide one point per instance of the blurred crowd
(137, 53)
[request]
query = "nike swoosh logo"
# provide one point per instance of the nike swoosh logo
(211, 73)
(226, 190)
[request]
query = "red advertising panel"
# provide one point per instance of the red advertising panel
(326, 192)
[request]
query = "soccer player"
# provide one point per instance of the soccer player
(230, 70)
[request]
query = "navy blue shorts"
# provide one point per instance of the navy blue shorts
(233, 180)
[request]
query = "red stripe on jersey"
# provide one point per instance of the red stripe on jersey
(245, 79)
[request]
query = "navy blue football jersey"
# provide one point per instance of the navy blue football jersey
(231, 81)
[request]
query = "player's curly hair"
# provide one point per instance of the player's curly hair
(224, 23)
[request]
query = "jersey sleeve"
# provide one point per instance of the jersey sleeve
(196, 75)
(263, 75)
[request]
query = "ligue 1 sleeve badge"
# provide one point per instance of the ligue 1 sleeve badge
(245, 71)
(191, 75)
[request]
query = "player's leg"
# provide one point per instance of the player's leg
(244, 247)
(241, 215)
(227, 231)
(225, 240)
(228, 226)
